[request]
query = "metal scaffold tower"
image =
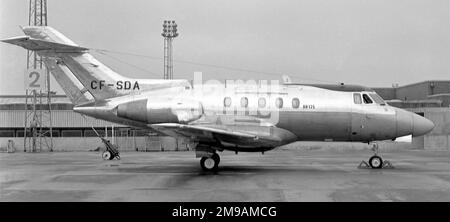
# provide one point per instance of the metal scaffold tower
(38, 132)
(169, 33)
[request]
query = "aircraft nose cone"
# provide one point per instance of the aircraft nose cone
(421, 125)
(404, 122)
(410, 123)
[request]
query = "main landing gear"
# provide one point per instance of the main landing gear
(209, 158)
(210, 163)
(375, 161)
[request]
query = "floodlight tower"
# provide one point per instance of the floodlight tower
(169, 33)
(38, 119)
(37, 16)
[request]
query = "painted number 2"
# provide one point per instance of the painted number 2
(36, 76)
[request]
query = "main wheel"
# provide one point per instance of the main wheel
(216, 157)
(209, 163)
(107, 155)
(376, 162)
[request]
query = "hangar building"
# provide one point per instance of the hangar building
(73, 132)
(430, 99)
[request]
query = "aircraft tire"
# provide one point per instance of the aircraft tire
(107, 155)
(209, 163)
(216, 157)
(376, 162)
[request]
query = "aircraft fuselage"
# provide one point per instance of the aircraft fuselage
(297, 112)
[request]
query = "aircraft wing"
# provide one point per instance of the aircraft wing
(251, 138)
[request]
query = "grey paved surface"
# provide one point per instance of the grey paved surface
(281, 175)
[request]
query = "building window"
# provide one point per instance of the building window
(295, 103)
(91, 133)
(279, 102)
(19, 133)
(227, 102)
(6, 133)
(367, 99)
(141, 133)
(244, 102)
(55, 133)
(72, 133)
(357, 98)
(262, 102)
(421, 114)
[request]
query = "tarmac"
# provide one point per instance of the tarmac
(279, 175)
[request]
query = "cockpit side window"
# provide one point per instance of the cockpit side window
(377, 99)
(357, 98)
(367, 99)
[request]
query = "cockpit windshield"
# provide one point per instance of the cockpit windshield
(377, 99)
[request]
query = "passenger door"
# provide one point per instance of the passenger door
(359, 119)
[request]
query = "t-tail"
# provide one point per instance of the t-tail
(73, 67)
(79, 74)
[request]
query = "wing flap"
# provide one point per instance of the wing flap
(205, 129)
(230, 137)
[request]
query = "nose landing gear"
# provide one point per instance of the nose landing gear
(375, 161)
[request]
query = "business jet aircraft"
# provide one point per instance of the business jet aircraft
(239, 118)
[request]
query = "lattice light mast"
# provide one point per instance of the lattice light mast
(37, 16)
(169, 33)
(38, 119)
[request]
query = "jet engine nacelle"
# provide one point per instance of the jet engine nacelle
(161, 110)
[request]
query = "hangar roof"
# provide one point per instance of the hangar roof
(336, 87)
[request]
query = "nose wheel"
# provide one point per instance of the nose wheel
(375, 161)
(210, 163)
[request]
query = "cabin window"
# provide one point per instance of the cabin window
(357, 98)
(367, 99)
(262, 102)
(244, 102)
(279, 102)
(295, 103)
(227, 102)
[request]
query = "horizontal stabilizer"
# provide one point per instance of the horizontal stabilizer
(42, 45)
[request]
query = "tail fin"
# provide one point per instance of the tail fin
(70, 64)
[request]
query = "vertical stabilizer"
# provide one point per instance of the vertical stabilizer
(65, 60)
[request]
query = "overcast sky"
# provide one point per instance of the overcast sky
(373, 43)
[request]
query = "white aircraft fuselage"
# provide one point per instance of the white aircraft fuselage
(239, 117)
